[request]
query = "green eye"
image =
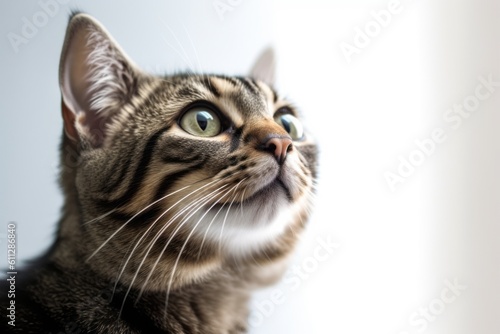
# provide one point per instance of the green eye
(201, 122)
(291, 124)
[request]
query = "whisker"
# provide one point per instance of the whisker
(194, 48)
(182, 249)
(128, 221)
(241, 202)
(184, 54)
(227, 213)
(154, 223)
(154, 241)
(100, 217)
(188, 63)
(211, 222)
(183, 221)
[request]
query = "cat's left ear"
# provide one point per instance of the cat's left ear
(264, 68)
(96, 79)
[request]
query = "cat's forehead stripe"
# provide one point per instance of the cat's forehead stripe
(250, 86)
(255, 99)
(229, 80)
(237, 85)
(268, 91)
(207, 83)
(250, 98)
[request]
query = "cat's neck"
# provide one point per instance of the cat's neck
(216, 304)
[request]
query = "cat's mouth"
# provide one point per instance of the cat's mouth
(267, 185)
(269, 193)
(278, 182)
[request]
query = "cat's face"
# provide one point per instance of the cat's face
(181, 172)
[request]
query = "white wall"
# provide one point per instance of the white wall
(393, 249)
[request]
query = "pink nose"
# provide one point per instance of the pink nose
(279, 146)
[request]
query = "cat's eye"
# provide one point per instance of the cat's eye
(291, 124)
(201, 122)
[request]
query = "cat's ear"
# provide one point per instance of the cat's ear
(96, 78)
(264, 68)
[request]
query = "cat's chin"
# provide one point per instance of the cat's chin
(246, 226)
(263, 220)
(273, 192)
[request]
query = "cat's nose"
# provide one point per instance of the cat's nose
(279, 147)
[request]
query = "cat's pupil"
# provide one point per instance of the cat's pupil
(203, 118)
(286, 124)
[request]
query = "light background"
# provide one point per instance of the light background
(396, 248)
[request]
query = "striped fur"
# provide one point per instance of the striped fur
(162, 231)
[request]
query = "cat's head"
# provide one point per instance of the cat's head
(179, 173)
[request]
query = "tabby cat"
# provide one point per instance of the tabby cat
(183, 194)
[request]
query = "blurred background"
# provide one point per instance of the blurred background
(403, 98)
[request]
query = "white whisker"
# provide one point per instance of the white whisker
(151, 244)
(100, 217)
(128, 221)
(184, 245)
(227, 213)
(200, 68)
(184, 55)
(157, 219)
(183, 221)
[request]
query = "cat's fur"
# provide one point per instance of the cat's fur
(163, 231)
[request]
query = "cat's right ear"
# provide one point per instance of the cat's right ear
(264, 68)
(96, 78)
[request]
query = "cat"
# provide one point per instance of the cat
(183, 194)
